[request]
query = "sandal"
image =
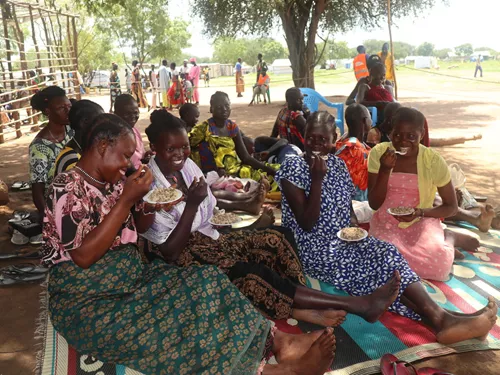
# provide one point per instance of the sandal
(21, 185)
(432, 371)
(27, 228)
(19, 216)
(22, 273)
(391, 365)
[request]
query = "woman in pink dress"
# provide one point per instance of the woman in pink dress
(412, 180)
(194, 76)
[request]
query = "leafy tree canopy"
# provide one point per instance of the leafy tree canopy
(425, 49)
(464, 49)
(142, 25)
(228, 50)
(442, 53)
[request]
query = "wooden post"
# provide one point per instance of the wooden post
(7, 43)
(47, 39)
(389, 21)
(75, 54)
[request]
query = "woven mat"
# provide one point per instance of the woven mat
(359, 344)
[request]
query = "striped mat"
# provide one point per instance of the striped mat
(359, 344)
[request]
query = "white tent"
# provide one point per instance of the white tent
(422, 62)
(281, 66)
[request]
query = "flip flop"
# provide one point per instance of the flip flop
(17, 184)
(22, 273)
(432, 371)
(25, 186)
(24, 254)
(391, 365)
(19, 216)
(21, 185)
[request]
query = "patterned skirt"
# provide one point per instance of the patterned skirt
(114, 92)
(157, 318)
(357, 268)
(139, 95)
(261, 263)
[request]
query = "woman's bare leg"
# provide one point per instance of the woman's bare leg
(464, 241)
(480, 218)
(449, 328)
(369, 307)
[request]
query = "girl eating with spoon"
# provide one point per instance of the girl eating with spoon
(405, 173)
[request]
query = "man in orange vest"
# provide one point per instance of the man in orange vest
(360, 67)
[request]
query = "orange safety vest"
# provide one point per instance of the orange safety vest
(360, 68)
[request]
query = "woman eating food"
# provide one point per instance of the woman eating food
(261, 262)
(154, 318)
(316, 205)
(404, 177)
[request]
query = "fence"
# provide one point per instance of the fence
(38, 48)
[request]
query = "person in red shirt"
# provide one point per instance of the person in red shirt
(351, 148)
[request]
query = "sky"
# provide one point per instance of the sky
(446, 26)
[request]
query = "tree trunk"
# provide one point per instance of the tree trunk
(301, 47)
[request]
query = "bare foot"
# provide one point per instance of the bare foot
(491, 305)
(315, 361)
(483, 221)
(495, 223)
(464, 241)
(265, 220)
(459, 328)
(459, 255)
(289, 347)
(266, 183)
(325, 318)
(372, 306)
(254, 204)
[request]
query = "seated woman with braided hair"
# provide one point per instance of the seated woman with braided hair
(316, 204)
(261, 262)
(152, 317)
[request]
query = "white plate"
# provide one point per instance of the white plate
(224, 225)
(146, 197)
(365, 234)
(389, 211)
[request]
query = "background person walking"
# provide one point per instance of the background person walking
(240, 81)
(478, 67)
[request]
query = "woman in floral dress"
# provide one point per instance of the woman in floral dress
(154, 318)
(49, 142)
(316, 204)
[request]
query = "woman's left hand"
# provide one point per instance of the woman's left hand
(409, 218)
(150, 208)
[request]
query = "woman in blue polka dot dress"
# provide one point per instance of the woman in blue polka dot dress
(316, 204)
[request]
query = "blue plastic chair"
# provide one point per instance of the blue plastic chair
(313, 99)
(374, 113)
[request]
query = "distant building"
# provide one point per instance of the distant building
(422, 62)
(281, 66)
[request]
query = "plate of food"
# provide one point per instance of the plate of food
(163, 196)
(352, 234)
(401, 211)
(224, 219)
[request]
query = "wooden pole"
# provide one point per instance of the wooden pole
(33, 35)
(75, 54)
(389, 21)
(7, 43)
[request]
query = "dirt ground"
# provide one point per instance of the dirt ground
(451, 109)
